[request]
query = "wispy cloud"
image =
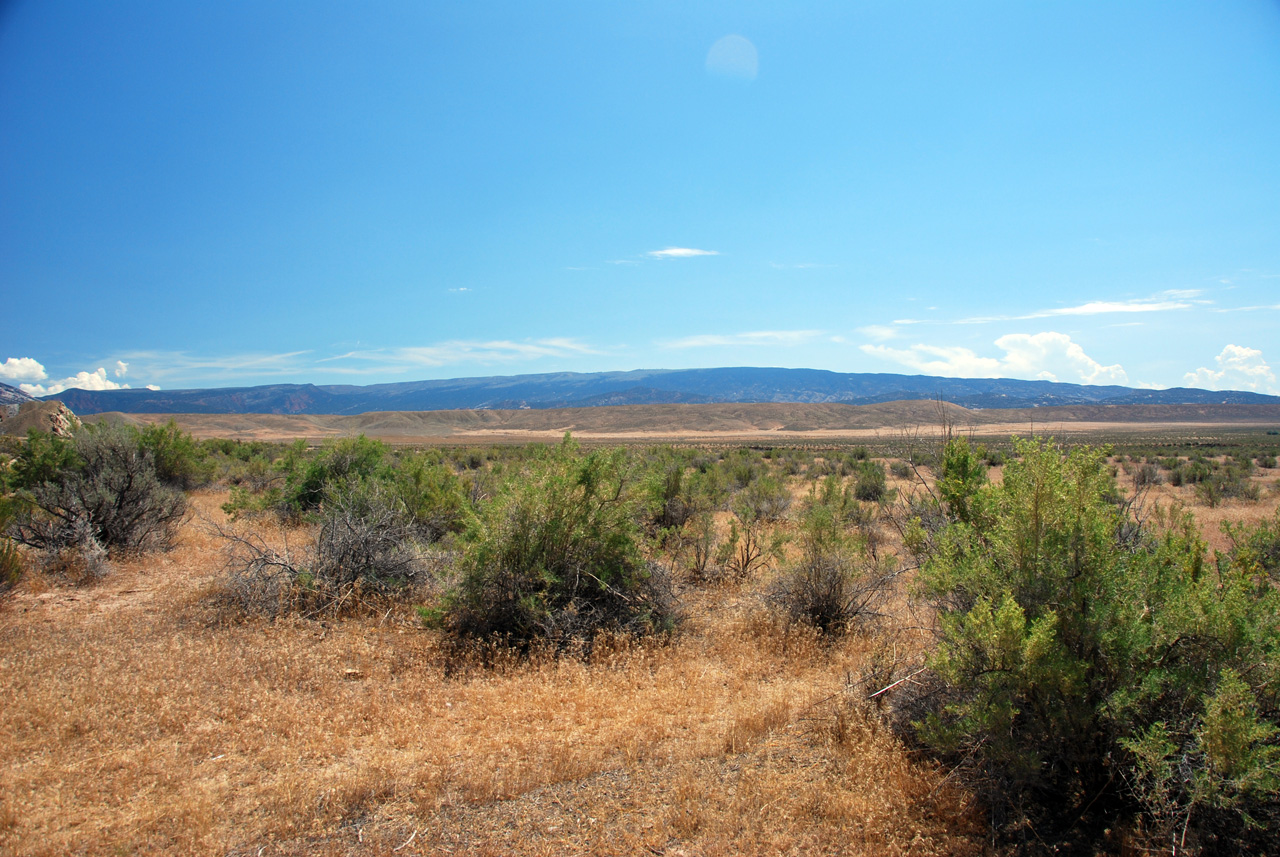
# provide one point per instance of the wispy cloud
(1165, 303)
(756, 337)
(465, 351)
(1239, 368)
(680, 253)
(1047, 356)
(1264, 307)
(879, 332)
(185, 366)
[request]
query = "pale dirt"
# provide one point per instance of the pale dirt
(892, 422)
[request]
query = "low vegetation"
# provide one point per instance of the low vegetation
(1084, 666)
(355, 647)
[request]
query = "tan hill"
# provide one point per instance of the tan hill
(46, 416)
(731, 422)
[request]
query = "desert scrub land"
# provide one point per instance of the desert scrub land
(555, 650)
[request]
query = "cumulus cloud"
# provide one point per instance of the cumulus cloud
(756, 337)
(951, 361)
(22, 369)
(122, 369)
(1047, 356)
(680, 253)
(1239, 368)
(96, 380)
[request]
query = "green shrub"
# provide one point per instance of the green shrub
(838, 496)
(835, 584)
(556, 556)
(366, 548)
(107, 494)
(45, 457)
(179, 460)
(871, 485)
(670, 498)
(766, 499)
(1086, 667)
(696, 548)
(303, 477)
(12, 565)
(432, 495)
(309, 477)
(1256, 549)
(1225, 483)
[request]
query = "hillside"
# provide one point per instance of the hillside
(639, 387)
(736, 422)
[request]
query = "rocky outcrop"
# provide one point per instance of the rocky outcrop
(12, 396)
(51, 416)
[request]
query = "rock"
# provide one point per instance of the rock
(51, 416)
(13, 396)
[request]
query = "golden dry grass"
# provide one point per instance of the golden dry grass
(138, 721)
(135, 723)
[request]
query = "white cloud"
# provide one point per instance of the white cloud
(1047, 356)
(879, 332)
(22, 369)
(1167, 302)
(461, 351)
(680, 253)
(122, 369)
(1042, 353)
(96, 380)
(152, 387)
(951, 361)
(1248, 308)
(161, 364)
(1239, 368)
(757, 337)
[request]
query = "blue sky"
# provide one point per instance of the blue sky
(231, 193)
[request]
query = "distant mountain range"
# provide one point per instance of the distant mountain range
(637, 387)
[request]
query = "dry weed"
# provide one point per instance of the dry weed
(135, 724)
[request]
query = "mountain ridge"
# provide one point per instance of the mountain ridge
(635, 387)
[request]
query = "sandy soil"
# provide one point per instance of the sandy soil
(735, 424)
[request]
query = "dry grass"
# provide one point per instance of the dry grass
(138, 721)
(135, 722)
(1210, 519)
